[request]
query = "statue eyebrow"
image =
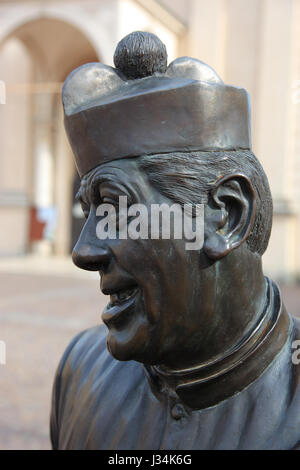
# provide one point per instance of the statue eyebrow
(82, 192)
(97, 181)
(94, 181)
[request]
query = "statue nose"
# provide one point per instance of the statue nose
(90, 254)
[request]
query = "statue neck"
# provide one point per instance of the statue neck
(220, 377)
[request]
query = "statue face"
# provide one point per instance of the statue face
(158, 309)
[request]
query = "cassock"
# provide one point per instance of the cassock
(101, 403)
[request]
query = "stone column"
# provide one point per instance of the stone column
(43, 178)
(15, 69)
(64, 173)
(207, 32)
(271, 127)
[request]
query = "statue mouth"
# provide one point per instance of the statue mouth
(121, 296)
(120, 306)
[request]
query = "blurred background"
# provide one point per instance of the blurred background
(44, 300)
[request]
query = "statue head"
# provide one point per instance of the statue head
(177, 136)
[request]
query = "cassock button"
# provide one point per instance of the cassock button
(177, 412)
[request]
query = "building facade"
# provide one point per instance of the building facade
(254, 44)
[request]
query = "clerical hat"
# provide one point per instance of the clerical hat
(143, 107)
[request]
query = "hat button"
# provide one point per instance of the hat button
(140, 54)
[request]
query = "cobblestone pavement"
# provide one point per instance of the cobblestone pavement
(39, 315)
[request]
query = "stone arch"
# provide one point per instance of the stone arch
(53, 48)
(43, 35)
(26, 17)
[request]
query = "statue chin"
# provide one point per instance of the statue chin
(131, 343)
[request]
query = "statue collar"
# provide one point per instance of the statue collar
(218, 379)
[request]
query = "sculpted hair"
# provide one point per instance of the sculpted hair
(188, 178)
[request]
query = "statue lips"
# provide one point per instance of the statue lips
(118, 310)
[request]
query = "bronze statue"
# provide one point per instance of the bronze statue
(196, 350)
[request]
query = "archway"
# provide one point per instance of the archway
(37, 187)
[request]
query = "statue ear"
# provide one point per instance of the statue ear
(229, 216)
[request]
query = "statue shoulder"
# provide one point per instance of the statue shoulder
(83, 351)
(84, 348)
(79, 346)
